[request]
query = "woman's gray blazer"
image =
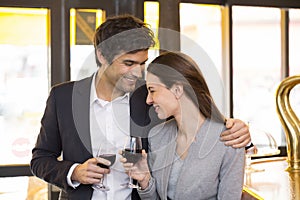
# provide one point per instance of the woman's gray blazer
(210, 171)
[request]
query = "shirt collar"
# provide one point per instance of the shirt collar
(94, 97)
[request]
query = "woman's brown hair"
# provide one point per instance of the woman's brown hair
(176, 67)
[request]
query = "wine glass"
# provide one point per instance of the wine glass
(264, 145)
(108, 154)
(133, 153)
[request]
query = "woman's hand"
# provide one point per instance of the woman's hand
(138, 171)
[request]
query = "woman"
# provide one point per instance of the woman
(186, 158)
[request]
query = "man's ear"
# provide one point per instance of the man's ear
(100, 57)
(177, 90)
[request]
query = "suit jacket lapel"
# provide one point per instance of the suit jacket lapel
(81, 110)
(138, 111)
(142, 116)
(139, 116)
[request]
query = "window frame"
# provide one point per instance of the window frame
(60, 31)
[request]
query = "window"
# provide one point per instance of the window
(294, 43)
(202, 24)
(294, 32)
(82, 28)
(256, 68)
(23, 92)
(24, 80)
(151, 17)
(201, 38)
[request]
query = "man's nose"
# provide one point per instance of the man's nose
(137, 71)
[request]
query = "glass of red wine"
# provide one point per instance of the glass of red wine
(108, 154)
(133, 153)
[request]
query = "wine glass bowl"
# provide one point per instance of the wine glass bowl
(265, 145)
(110, 157)
(132, 151)
(131, 156)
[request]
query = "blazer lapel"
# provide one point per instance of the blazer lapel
(169, 159)
(81, 110)
(162, 166)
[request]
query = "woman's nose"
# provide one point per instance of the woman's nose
(149, 99)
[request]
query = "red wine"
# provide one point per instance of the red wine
(132, 157)
(110, 157)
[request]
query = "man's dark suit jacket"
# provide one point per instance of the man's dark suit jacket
(65, 128)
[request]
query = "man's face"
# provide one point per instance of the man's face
(125, 69)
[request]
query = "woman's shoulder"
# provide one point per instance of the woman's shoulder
(163, 132)
(162, 127)
(212, 127)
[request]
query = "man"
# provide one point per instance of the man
(100, 110)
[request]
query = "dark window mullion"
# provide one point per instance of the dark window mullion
(15, 170)
(284, 27)
(27, 3)
(227, 56)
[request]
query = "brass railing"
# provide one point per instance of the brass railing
(289, 121)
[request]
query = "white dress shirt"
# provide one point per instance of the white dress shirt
(109, 126)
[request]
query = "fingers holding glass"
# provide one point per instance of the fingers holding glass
(132, 153)
(138, 171)
(105, 158)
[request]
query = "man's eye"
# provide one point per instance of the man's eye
(128, 63)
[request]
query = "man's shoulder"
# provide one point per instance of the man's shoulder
(63, 85)
(70, 84)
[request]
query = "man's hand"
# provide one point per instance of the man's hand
(237, 134)
(89, 172)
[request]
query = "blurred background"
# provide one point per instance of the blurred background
(253, 46)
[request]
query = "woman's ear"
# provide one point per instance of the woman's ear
(177, 90)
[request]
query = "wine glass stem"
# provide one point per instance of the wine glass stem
(248, 161)
(101, 181)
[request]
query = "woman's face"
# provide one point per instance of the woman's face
(163, 99)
